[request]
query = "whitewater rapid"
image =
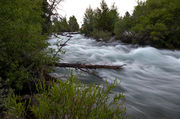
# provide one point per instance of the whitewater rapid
(150, 80)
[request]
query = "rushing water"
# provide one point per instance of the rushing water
(150, 81)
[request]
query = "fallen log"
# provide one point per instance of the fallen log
(84, 66)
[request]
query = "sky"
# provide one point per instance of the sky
(78, 7)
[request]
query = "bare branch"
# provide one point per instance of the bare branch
(61, 45)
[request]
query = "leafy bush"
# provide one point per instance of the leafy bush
(73, 100)
(22, 44)
(16, 109)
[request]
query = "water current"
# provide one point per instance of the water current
(150, 80)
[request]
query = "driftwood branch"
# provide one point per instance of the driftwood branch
(84, 66)
(61, 45)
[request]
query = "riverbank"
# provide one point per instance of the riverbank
(129, 39)
(151, 23)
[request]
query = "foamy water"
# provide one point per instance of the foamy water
(150, 80)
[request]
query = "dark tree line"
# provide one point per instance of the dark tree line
(100, 22)
(153, 22)
(62, 25)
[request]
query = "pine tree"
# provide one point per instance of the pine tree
(74, 26)
(88, 21)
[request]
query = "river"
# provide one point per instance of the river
(150, 80)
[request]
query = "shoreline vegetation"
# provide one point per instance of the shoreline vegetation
(155, 23)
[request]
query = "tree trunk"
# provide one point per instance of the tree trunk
(84, 66)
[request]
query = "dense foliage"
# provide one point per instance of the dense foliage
(23, 53)
(154, 22)
(21, 42)
(69, 100)
(74, 26)
(100, 23)
(63, 25)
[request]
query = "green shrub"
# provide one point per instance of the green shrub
(22, 44)
(16, 108)
(73, 100)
